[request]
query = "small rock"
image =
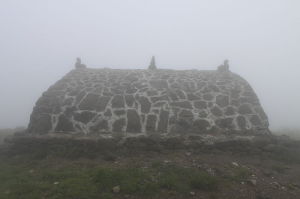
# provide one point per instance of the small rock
(235, 164)
(56, 183)
(31, 171)
(188, 153)
(166, 161)
(192, 193)
(116, 189)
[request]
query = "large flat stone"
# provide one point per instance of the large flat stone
(133, 122)
(163, 121)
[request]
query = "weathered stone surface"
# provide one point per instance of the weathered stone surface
(119, 112)
(64, 124)
(255, 120)
(89, 102)
(201, 124)
(42, 124)
(133, 121)
(101, 125)
(183, 104)
(108, 113)
(141, 101)
(159, 84)
(208, 97)
(129, 99)
(200, 104)
(152, 92)
(159, 98)
(118, 125)
(145, 104)
(192, 97)
(84, 116)
(180, 94)
(222, 100)
(230, 110)
(172, 96)
(203, 114)
(241, 121)
(225, 123)
(118, 101)
(102, 103)
(245, 109)
(216, 111)
(163, 121)
(151, 123)
(186, 114)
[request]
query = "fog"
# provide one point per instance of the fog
(40, 40)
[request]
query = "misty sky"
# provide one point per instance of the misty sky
(40, 39)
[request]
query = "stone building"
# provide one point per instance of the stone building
(141, 101)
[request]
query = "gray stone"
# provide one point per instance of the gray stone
(200, 104)
(101, 125)
(225, 123)
(118, 101)
(201, 124)
(230, 110)
(255, 120)
(186, 114)
(159, 104)
(152, 93)
(42, 123)
(216, 111)
(108, 113)
(151, 123)
(159, 84)
(172, 96)
(129, 99)
(64, 124)
(145, 104)
(89, 102)
(203, 114)
(208, 97)
(241, 121)
(133, 121)
(159, 98)
(118, 125)
(192, 97)
(180, 94)
(163, 121)
(102, 103)
(222, 100)
(119, 112)
(183, 104)
(84, 116)
(245, 109)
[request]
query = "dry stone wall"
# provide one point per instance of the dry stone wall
(102, 101)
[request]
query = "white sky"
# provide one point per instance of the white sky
(39, 41)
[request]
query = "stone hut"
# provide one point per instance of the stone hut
(142, 102)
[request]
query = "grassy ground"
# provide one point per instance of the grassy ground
(98, 182)
(72, 169)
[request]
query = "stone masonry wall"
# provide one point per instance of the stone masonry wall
(101, 101)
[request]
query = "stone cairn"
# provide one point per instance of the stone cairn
(152, 65)
(78, 64)
(224, 67)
